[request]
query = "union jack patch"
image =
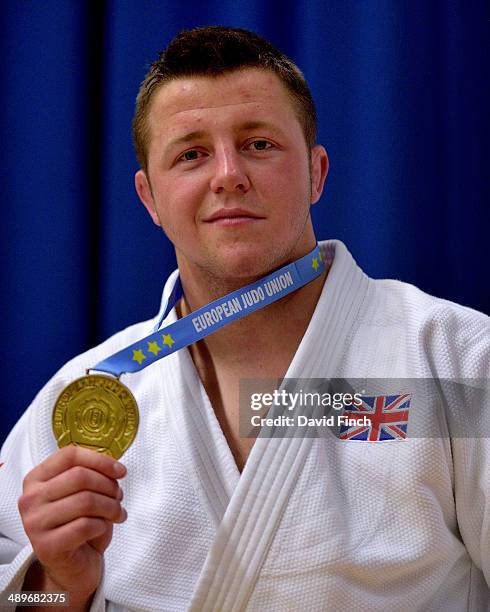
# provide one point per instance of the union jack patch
(378, 418)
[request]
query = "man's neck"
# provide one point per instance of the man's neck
(278, 327)
(258, 346)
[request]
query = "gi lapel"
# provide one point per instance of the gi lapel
(206, 455)
(253, 515)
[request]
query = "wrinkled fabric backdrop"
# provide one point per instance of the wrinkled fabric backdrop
(403, 100)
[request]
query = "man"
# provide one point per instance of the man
(225, 136)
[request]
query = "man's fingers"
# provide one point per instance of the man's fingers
(71, 500)
(79, 478)
(68, 509)
(71, 456)
(100, 543)
(69, 537)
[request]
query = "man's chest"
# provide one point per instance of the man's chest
(225, 402)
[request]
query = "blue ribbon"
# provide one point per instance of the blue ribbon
(213, 316)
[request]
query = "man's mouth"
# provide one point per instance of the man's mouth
(233, 216)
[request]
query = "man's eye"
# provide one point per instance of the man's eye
(191, 155)
(260, 145)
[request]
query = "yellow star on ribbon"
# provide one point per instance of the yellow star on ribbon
(168, 340)
(153, 348)
(138, 355)
(315, 264)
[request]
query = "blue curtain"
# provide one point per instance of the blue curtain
(403, 100)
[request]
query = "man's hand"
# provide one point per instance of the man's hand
(68, 506)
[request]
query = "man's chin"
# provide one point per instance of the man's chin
(245, 259)
(234, 265)
(245, 269)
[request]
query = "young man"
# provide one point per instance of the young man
(225, 136)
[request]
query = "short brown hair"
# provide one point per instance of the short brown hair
(211, 51)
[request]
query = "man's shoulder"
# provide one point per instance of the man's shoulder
(391, 302)
(88, 359)
(398, 318)
(36, 421)
(408, 300)
(438, 327)
(78, 365)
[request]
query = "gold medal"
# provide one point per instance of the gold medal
(96, 412)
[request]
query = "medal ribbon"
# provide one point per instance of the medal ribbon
(213, 316)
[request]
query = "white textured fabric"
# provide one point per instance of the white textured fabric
(310, 524)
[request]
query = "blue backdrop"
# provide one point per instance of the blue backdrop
(403, 99)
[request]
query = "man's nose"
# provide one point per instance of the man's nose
(230, 173)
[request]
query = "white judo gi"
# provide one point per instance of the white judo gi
(310, 524)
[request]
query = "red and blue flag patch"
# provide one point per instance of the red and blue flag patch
(387, 415)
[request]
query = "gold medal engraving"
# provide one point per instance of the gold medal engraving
(96, 412)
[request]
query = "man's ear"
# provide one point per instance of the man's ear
(144, 192)
(319, 171)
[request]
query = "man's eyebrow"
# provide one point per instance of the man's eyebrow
(185, 138)
(257, 125)
(247, 125)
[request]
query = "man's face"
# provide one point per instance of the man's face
(230, 176)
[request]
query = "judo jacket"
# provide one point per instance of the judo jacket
(312, 523)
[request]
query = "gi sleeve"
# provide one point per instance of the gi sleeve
(464, 350)
(16, 554)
